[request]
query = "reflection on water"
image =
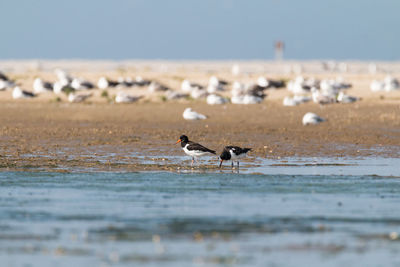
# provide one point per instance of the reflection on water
(192, 219)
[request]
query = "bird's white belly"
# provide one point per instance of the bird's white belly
(235, 157)
(194, 153)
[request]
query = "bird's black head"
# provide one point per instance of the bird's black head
(183, 140)
(225, 155)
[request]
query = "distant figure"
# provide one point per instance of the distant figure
(235, 70)
(279, 47)
(74, 98)
(190, 114)
(312, 118)
(18, 93)
(215, 99)
(122, 97)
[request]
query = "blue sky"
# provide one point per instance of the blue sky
(207, 29)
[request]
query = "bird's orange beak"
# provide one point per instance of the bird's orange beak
(178, 141)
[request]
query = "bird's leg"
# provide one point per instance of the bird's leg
(232, 164)
(238, 165)
(192, 162)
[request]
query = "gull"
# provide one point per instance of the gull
(247, 94)
(312, 118)
(156, 87)
(265, 83)
(63, 77)
(175, 95)
(246, 99)
(77, 98)
(18, 93)
(190, 114)
(105, 83)
(238, 89)
(215, 85)
(298, 87)
(79, 84)
(5, 82)
(295, 100)
(252, 99)
(322, 99)
(212, 88)
(3, 77)
(128, 82)
(391, 84)
(217, 82)
(139, 81)
(188, 86)
(290, 102)
(58, 87)
(214, 99)
(40, 86)
(198, 93)
(122, 97)
(377, 86)
(343, 98)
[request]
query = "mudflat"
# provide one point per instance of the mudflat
(142, 136)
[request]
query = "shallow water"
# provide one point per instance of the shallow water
(289, 216)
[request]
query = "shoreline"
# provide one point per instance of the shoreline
(54, 135)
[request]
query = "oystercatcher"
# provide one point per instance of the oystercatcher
(233, 153)
(193, 149)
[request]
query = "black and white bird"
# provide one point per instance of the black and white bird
(79, 84)
(105, 83)
(40, 86)
(18, 93)
(193, 149)
(5, 82)
(233, 153)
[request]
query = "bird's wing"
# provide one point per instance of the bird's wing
(196, 146)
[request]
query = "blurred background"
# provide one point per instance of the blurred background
(226, 29)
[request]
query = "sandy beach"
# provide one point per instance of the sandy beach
(49, 133)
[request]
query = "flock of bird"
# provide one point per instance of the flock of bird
(301, 90)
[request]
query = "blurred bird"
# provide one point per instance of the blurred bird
(79, 84)
(190, 114)
(312, 118)
(343, 98)
(40, 86)
(105, 83)
(122, 97)
(188, 86)
(157, 87)
(214, 99)
(18, 93)
(77, 98)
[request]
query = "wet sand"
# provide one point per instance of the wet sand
(141, 136)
